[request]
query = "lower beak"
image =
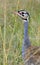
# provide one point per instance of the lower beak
(18, 14)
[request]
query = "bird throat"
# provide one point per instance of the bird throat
(25, 28)
(26, 37)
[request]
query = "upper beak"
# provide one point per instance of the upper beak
(18, 14)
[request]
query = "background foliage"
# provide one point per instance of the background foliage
(11, 29)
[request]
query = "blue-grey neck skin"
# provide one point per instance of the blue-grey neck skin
(26, 37)
(26, 41)
(25, 30)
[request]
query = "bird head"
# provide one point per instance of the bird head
(23, 14)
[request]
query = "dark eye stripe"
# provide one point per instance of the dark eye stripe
(27, 13)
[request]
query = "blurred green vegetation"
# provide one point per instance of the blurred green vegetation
(14, 29)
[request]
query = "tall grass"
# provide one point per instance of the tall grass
(11, 29)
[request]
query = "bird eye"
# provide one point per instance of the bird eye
(22, 12)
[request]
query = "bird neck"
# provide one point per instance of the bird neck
(26, 38)
(25, 28)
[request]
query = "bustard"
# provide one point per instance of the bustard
(30, 54)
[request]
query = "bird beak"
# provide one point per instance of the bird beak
(16, 13)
